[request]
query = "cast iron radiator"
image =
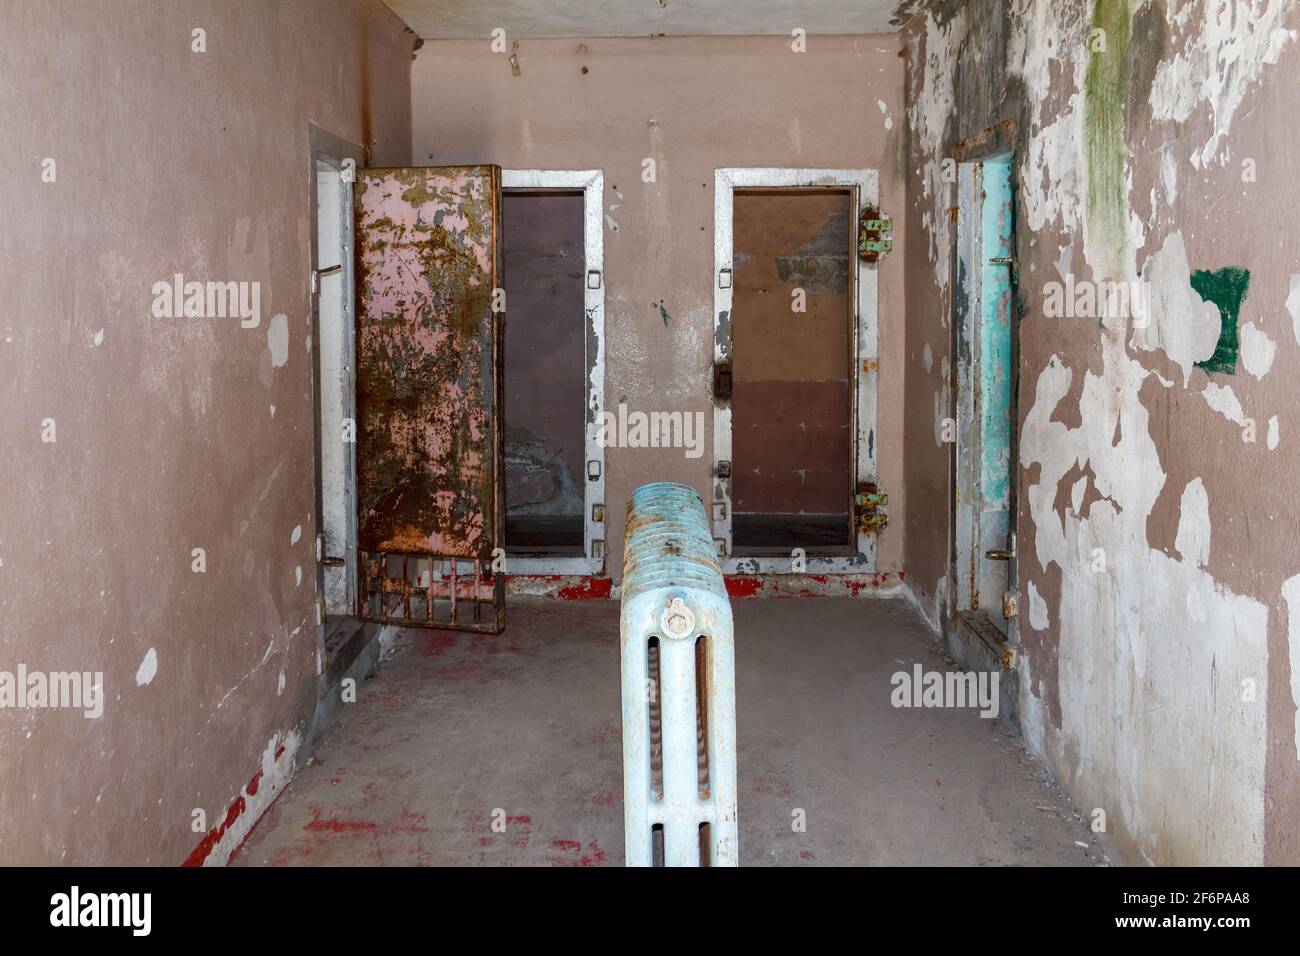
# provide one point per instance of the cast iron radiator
(679, 686)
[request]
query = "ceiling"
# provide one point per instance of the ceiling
(449, 19)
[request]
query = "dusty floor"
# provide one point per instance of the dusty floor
(458, 726)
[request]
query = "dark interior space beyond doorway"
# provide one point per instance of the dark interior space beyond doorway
(545, 370)
(791, 399)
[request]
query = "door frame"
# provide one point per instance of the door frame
(864, 189)
(335, 151)
(967, 541)
(592, 184)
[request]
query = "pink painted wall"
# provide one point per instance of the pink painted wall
(171, 434)
(692, 104)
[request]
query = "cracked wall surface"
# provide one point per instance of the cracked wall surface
(1156, 518)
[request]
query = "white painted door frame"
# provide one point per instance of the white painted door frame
(864, 187)
(592, 184)
(334, 370)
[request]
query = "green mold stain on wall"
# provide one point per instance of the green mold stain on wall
(1105, 93)
(1226, 288)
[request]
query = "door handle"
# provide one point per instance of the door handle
(998, 554)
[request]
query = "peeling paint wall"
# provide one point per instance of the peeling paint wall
(690, 104)
(172, 434)
(1156, 510)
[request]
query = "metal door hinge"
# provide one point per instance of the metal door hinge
(875, 234)
(1010, 605)
(722, 381)
(869, 506)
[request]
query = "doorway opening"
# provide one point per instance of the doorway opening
(553, 370)
(986, 349)
(545, 370)
(792, 359)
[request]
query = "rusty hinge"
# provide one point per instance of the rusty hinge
(869, 506)
(722, 381)
(1010, 605)
(875, 234)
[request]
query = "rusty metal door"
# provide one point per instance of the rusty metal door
(429, 428)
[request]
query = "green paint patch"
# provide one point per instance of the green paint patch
(1226, 288)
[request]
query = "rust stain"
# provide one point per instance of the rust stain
(428, 345)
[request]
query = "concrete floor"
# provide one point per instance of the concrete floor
(456, 725)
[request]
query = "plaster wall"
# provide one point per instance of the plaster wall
(1157, 649)
(169, 434)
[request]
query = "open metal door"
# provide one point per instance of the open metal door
(429, 430)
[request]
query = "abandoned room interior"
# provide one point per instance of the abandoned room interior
(664, 432)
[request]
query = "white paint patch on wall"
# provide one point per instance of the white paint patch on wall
(1182, 324)
(1169, 174)
(928, 115)
(1151, 637)
(1257, 350)
(1193, 538)
(1273, 436)
(1232, 42)
(1224, 400)
(1051, 174)
(148, 668)
(1291, 594)
(1038, 615)
(276, 771)
(277, 339)
(296, 535)
(1293, 305)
